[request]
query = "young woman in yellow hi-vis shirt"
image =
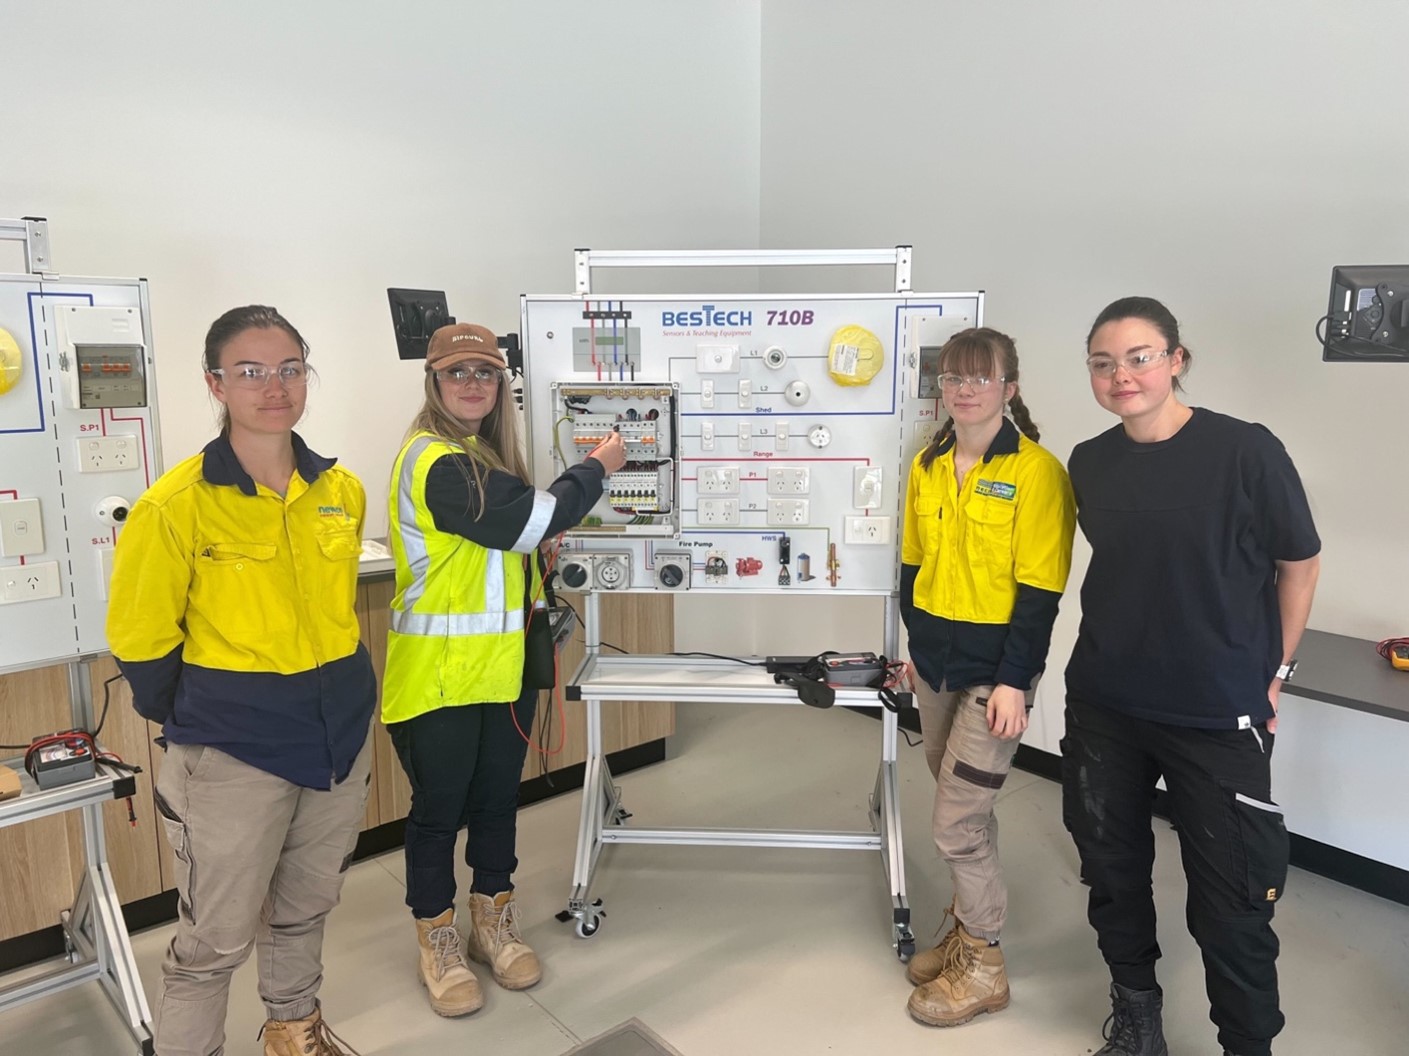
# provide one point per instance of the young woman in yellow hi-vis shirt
(232, 616)
(989, 519)
(466, 524)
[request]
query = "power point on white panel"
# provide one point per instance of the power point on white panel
(866, 531)
(925, 430)
(108, 454)
(21, 583)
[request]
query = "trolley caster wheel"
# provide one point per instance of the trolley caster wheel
(905, 951)
(586, 928)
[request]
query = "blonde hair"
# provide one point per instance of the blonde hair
(497, 446)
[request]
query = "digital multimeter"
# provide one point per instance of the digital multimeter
(1399, 657)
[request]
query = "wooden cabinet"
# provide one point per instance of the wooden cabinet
(41, 862)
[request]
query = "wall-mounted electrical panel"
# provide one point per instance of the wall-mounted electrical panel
(768, 437)
(78, 446)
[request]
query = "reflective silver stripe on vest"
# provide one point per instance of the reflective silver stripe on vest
(432, 624)
(544, 503)
(413, 540)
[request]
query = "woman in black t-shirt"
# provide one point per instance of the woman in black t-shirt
(1204, 562)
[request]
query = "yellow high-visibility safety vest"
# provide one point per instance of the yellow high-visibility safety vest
(457, 620)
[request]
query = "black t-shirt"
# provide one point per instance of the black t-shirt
(1179, 616)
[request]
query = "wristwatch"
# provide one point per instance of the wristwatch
(1286, 671)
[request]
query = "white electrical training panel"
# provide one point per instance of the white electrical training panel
(78, 446)
(768, 437)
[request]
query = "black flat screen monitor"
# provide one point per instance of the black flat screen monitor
(1368, 316)
(415, 315)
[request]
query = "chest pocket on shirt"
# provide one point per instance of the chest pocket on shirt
(927, 518)
(340, 545)
(234, 555)
(990, 535)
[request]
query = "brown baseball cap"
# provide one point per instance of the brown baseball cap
(460, 342)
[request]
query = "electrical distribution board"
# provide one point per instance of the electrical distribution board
(78, 446)
(768, 438)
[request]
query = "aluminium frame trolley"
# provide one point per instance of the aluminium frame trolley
(768, 439)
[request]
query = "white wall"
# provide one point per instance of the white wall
(1222, 157)
(311, 155)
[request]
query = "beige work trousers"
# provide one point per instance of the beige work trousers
(259, 863)
(969, 765)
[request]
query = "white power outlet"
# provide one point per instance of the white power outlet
(789, 480)
(718, 480)
(925, 429)
(788, 511)
(866, 531)
(718, 511)
(866, 487)
(20, 583)
(108, 454)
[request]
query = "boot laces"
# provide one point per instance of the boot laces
(325, 1043)
(960, 960)
(506, 924)
(1120, 1027)
(319, 1040)
(445, 944)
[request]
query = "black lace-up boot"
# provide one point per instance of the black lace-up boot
(1135, 1026)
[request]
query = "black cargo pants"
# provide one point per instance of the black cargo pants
(1232, 839)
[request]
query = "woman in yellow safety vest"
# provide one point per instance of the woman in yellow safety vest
(466, 526)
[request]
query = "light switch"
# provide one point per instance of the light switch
(21, 529)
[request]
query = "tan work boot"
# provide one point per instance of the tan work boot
(494, 940)
(453, 988)
(973, 980)
(926, 965)
(303, 1037)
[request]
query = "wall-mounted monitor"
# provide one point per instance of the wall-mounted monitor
(1368, 315)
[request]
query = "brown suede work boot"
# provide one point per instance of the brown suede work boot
(973, 980)
(494, 940)
(303, 1037)
(452, 987)
(925, 966)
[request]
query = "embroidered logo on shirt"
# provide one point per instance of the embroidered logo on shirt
(996, 488)
(331, 511)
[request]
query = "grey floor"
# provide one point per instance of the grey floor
(753, 952)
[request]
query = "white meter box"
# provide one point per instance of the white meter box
(78, 446)
(768, 437)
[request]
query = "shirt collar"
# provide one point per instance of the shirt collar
(220, 466)
(1005, 443)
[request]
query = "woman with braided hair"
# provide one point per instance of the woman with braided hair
(989, 519)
